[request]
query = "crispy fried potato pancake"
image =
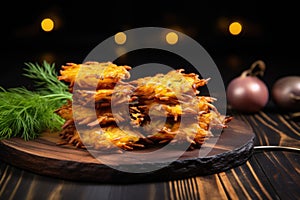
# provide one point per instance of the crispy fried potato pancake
(93, 74)
(148, 110)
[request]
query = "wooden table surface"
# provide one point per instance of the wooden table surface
(270, 173)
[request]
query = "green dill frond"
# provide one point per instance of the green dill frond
(45, 79)
(25, 113)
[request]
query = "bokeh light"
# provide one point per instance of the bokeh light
(47, 24)
(120, 38)
(235, 28)
(47, 56)
(172, 38)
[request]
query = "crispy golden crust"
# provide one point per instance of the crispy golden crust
(118, 95)
(149, 110)
(175, 85)
(93, 75)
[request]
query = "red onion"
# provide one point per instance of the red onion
(286, 93)
(247, 93)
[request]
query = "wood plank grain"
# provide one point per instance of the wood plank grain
(203, 187)
(281, 171)
(273, 129)
(247, 181)
(20, 184)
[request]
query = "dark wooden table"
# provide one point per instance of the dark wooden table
(272, 172)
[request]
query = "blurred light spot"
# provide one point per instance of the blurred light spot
(120, 38)
(172, 38)
(47, 56)
(47, 24)
(120, 51)
(234, 62)
(235, 28)
(222, 25)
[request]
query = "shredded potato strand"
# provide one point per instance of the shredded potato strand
(156, 106)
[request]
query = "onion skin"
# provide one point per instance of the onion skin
(286, 93)
(247, 94)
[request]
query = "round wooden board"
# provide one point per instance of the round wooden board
(43, 156)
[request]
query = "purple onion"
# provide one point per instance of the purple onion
(286, 93)
(247, 94)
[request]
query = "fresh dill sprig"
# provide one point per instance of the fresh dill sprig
(25, 113)
(46, 81)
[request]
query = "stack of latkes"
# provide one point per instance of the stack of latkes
(113, 112)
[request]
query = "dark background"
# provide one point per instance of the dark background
(270, 32)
